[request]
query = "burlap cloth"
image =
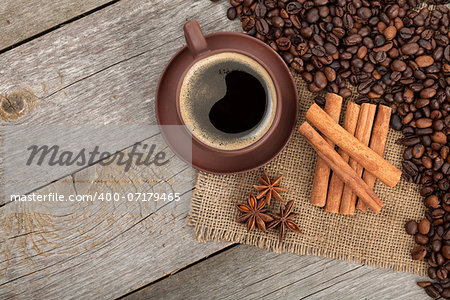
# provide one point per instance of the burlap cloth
(375, 240)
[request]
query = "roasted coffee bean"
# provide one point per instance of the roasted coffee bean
(424, 123)
(277, 22)
(409, 141)
(380, 40)
(410, 168)
(424, 284)
(438, 286)
(437, 213)
(410, 116)
(312, 15)
(424, 226)
(407, 154)
(408, 95)
(288, 57)
(398, 65)
(432, 291)
(446, 169)
(273, 13)
(260, 10)
(320, 80)
(441, 273)
(439, 137)
(427, 162)
(427, 190)
(380, 56)
(446, 251)
(428, 93)
(320, 100)
(432, 270)
(231, 13)
(252, 32)
(345, 93)
(425, 132)
(364, 13)
(418, 150)
(248, 23)
(432, 201)
(330, 73)
(308, 77)
(410, 48)
(406, 33)
(418, 252)
(348, 21)
(445, 151)
(411, 227)
(236, 2)
(262, 27)
(318, 51)
(247, 3)
(283, 43)
(421, 239)
(353, 39)
(390, 32)
(424, 61)
(330, 48)
(446, 293)
(436, 245)
(408, 131)
(396, 122)
(362, 52)
(293, 8)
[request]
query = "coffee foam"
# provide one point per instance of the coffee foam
(204, 85)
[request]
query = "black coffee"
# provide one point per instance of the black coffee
(228, 100)
(242, 107)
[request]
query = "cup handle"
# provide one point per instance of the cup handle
(195, 40)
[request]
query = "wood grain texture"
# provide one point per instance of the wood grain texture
(104, 68)
(101, 69)
(20, 20)
(245, 272)
(100, 249)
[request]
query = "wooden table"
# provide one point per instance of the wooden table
(98, 62)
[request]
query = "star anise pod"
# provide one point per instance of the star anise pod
(254, 213)
(284, 219)
(269, 188)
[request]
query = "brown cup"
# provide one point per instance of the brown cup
(213, 151)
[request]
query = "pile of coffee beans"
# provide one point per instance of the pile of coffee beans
(396, 53)
(434, 245)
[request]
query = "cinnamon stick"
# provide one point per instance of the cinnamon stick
(322, 172)
(340, 167)
(362, 133)
(336, 185)
(377, 143)
(365, 156)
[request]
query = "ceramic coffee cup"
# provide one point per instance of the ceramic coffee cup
(235, 96)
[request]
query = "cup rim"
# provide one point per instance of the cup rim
(201, 157)
(277, 115)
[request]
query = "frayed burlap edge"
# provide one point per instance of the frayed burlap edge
(204, 234)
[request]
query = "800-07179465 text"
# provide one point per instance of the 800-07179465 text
(106, 197)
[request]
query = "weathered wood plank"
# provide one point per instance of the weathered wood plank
(245, 272)
(101, 249)
(104, 68)
(101, 69)
(20, 20)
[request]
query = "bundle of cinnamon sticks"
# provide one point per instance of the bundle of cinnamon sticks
(344, 179)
